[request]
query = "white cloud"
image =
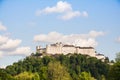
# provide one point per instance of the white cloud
(3, 39)
(2, 27)
(7, 44)
(70, 15)
(10, 44)
(11, 47)
(95, 33)
(24, 51)
(86, 42)
(118, 39)
(1, 54)
(76, 39)
(63, 8)
(60, 7)
(3, 66)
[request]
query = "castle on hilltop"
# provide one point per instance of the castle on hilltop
(59, 48)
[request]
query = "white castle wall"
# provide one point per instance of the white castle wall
(100, 56)
(53, 49)
(90, 51)
(66, 50)
(60, 48)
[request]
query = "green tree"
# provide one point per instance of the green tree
(43, 73)
(103, 77)
(114, 73)
(56, 71)
(117, 57)
(5, 76)
(27, 76)
(75, 64)
(86, 76)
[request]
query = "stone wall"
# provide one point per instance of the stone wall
(60, 48)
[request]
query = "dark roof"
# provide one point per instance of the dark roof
(63, 45)
(53, 44)
(43, 49)
(56, 44)
(99, 54)
(85, 47)
(68, 45)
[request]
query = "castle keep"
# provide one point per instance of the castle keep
(59, 48)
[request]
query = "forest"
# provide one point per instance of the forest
(62, 67)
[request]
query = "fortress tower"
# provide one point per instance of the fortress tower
(59, 48)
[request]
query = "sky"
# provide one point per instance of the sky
(25, 24)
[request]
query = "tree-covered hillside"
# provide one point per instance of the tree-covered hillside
(57, 67)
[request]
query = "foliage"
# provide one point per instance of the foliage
(5, 76)
(70, 65)
(27, 76)
(57, 72)
(77, 63)
(43, 73)
(103, 77)
(117, 57)
(86, 76)
(114, 73)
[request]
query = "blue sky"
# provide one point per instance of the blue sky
(24, 24)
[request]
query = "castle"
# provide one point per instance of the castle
(59, 48)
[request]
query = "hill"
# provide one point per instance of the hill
(75, 67)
